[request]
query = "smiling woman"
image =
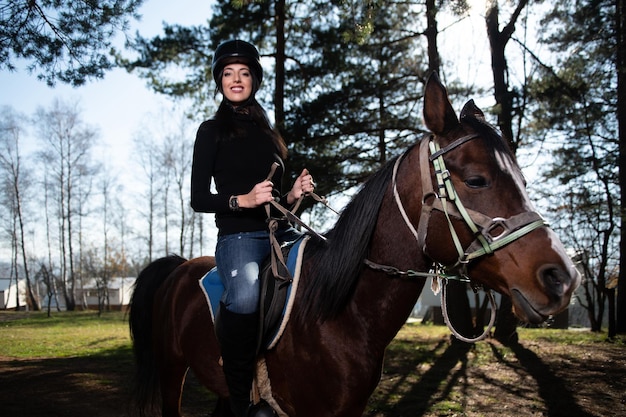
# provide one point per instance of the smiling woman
(237, 83)
(236, 150)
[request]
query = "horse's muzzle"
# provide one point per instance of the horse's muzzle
(558, 286)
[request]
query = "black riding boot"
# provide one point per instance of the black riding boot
(237, 334)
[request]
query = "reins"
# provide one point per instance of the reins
(277, 260)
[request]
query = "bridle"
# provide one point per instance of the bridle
(444, 198)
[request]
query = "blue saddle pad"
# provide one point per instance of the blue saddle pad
(211, 282)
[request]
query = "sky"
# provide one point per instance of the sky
(118, 104)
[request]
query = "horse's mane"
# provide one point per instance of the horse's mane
(336, 263)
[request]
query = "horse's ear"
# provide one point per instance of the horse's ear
(471, 110)
(439, 115)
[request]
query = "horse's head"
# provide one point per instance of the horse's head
(496, 238)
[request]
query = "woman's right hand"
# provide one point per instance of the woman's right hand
(259, 195)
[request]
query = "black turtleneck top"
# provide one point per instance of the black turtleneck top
(236, 165)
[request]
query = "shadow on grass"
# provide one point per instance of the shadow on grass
(422, 377)
(438, 381)
(557, 397)
(452, 379)
(96, 386)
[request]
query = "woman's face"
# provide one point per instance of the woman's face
(237, 83)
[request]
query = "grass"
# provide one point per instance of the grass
(423, 375)
(576, 337)
(65, 334)
(34, 335)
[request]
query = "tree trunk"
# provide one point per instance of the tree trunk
(498, 39)
(15, 269)
(279, 88)
(434, 61)
(621, 120)
(610, 297)
(71, 305)
(506, 323)
(459, 311)
(32, 299)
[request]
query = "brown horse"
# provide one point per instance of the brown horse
(455, 203)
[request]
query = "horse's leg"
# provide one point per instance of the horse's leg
(172, 381)
(198, 344)
(205, 362)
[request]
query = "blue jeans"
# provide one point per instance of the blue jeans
(239, 257)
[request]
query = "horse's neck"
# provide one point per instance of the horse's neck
(389, 300)
(385, 303)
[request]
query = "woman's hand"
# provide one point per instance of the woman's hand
(304, 184)
(259, 195)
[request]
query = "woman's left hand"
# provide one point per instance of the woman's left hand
(304, 184)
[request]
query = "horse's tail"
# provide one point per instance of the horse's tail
(146, 390)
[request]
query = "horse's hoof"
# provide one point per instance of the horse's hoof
(261, 409)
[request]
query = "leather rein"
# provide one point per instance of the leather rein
(490, 234)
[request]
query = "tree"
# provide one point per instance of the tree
(16, 184)
(620, 63)
(107, 185)
(575, 100)
(47, 270)
(62, 40)
(147, 160)
(164, 151)
(503, 93)
(180, 154)
(66, 152)
(356, 118)
(458, 307)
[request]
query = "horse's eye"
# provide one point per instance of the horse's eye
(476, 182)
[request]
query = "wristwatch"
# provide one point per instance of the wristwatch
(233, 203)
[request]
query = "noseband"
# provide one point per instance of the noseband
(490, 234)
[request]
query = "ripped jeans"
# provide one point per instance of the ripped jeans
(239, 257)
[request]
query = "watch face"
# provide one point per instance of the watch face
(234, 203)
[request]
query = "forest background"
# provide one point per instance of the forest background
(344, 82)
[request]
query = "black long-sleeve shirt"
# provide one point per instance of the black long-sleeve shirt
(236, 165)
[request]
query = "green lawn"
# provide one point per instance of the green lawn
(551, 372)
(65, 334)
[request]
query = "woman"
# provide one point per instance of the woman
(237, 149)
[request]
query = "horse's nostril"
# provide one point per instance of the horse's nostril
(554, 279)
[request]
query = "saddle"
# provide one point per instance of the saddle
(278, 292)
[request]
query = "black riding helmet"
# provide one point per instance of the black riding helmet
(236, 51)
